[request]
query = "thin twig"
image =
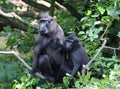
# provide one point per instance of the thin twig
(114, 49)
(115, 52)
(99, 50)
(22, 60)
(108, 25)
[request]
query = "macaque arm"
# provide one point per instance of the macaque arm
(37, 51)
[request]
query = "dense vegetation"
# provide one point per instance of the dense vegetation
(96, 22)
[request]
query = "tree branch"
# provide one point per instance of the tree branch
(13, 23)
(47, 4)
(22, 60)
(86, 67)
(9, 16)
(114, 49)
(108, 25)
(31, 14)
(72, 10)
(13, 15)
(36, 5)
(99, 50)
(42, 5)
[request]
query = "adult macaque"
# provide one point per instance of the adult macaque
(48, 30)
(77, 57)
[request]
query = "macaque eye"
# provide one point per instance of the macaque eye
(47, 21)
(42, 21)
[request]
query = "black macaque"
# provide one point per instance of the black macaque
(51, 61)
(48, 30)
(77, 57)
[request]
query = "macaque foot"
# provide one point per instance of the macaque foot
(50, 79)
(33, 71)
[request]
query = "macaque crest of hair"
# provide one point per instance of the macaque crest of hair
(45, 15)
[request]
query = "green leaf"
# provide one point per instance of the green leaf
(85, 36)
(66, 81)
(38, 87)
(118, 12)
(77, 84)
(94, 80)
(102, 10)
(95, 36)
(10, 42)
(112, 12)
(105, 19)
(83, 19)
(97, 22)
(118, 34)
(91, 39)
(105, 80)
(89, 12)
(7, 29)
(2, 73)
(87, 77)
(96, 31)
(81, 32)
(118, 86)
(96, 15)
(109, 64)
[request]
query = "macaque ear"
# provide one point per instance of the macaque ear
(52, 18)
(72, 36)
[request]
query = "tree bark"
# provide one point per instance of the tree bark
(72, 10)
(15, 20)
(30, 14)
(13, 23)
(36, 5)
(52, 8)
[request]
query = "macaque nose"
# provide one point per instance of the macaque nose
(42, 31)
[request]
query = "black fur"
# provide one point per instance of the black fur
(77, 57)
(48, 30)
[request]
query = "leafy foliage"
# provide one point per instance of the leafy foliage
(9, 69)
(103, 63)
(22, 40)
(88, 82)
(28, 82)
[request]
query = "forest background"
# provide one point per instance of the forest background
(96, 23)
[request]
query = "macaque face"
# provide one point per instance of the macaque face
(68, 44)
(44, 27)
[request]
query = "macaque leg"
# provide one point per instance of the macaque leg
(45, 68)
(66, 69)
(44, 64)
(49, 78)
(75, 69)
